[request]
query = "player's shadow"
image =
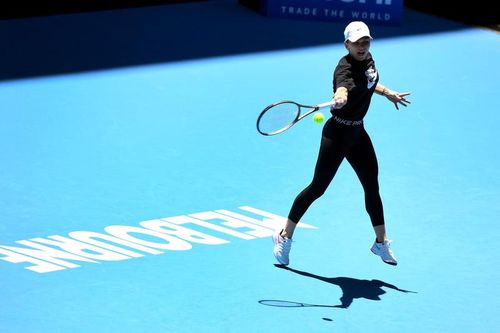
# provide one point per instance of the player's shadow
(352, 288)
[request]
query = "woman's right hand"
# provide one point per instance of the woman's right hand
(340, 98)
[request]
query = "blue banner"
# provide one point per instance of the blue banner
(380, 12)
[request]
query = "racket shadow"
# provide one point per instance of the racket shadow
(291, 304)
(351, 289)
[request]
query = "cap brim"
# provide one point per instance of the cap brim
(355, 38)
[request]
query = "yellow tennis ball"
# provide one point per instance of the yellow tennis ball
(318, 117)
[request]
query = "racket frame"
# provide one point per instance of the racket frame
(300, 115)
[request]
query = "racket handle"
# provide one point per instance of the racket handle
(323, 105)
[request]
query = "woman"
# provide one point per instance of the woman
(344, 136)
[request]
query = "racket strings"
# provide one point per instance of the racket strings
(278, 118)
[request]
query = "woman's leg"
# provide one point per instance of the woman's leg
(329, 159)
(363, 160)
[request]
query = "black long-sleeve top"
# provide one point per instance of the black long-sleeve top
(360, 78)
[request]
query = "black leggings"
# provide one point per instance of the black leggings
(338, 142)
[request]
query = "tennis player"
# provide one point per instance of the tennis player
(355, 79)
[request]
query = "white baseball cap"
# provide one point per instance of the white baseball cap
(356, 30)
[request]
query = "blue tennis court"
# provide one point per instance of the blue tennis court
(137, 196)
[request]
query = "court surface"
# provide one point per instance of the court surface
(137, 196)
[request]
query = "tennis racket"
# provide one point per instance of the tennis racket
(280, 116)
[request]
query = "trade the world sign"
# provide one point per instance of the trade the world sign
(381, 12)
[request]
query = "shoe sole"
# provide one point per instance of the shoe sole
(387, 262)
(390, 263)
(281, 263)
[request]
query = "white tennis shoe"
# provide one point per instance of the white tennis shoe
(384, 251)
(282, 246)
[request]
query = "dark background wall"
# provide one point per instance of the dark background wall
(106, 39)
(27, 8)
(474, 12)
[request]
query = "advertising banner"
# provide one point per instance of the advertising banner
(380, 12)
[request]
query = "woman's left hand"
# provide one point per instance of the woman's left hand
(397, 98)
